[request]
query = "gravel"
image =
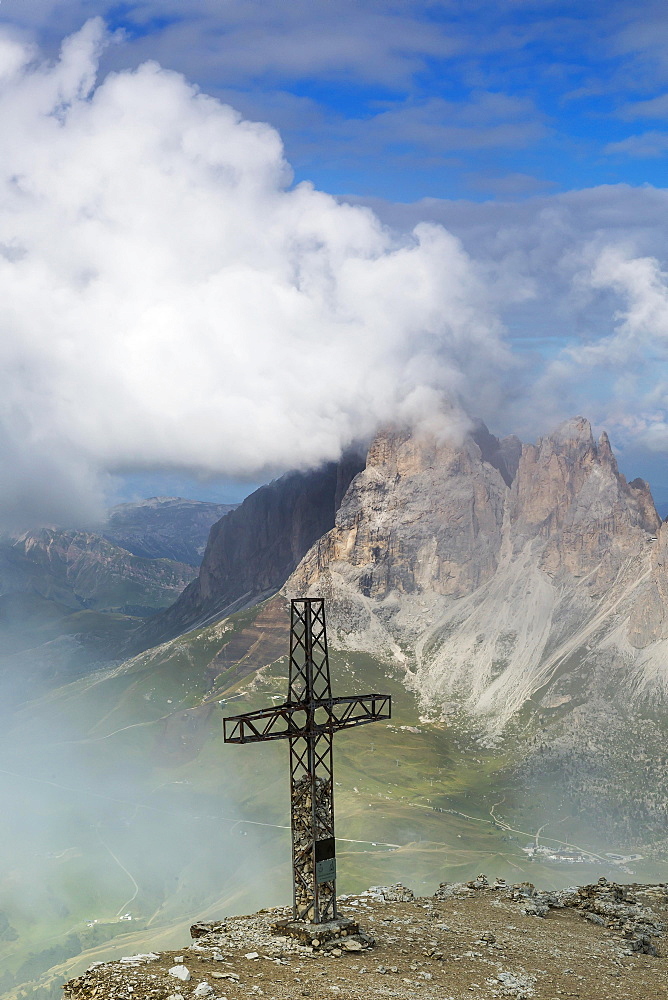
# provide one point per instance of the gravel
(476, 939)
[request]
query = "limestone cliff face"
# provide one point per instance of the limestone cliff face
(494, 574)
(422, 515)
(648, 621)
(569, 492)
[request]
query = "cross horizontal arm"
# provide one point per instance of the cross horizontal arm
(295, 720)
(356, 710)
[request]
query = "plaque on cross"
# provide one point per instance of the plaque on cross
(309, 719)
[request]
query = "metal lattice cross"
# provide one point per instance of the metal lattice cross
(309, 719)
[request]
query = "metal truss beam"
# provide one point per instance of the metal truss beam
(292, 721)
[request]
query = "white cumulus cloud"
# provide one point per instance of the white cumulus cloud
(169, 300)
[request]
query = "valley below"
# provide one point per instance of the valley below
(138, 820)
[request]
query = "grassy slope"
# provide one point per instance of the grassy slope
(126, 799)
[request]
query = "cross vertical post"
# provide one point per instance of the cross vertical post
(308, 719)
(311, 769)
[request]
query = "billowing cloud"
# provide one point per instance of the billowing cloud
(590, 308)
(635, 352)
(169, 300)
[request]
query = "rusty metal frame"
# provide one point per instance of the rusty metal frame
(311, 763)
(260, 726)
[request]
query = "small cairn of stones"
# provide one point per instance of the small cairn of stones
(397, 893)
(304, 810)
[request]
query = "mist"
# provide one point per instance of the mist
(114, 839)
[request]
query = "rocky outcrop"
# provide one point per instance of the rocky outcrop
(252, 550)
(423, 515)
(569, 492)
(446, 945)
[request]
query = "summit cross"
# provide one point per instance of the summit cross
(309, 719)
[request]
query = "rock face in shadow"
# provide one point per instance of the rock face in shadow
(253, 550)
(504, 455)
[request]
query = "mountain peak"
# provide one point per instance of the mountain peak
(572, 439)
(605, 452)
(573, 429)
(424, 514)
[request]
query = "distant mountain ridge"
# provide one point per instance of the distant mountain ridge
(81, 569)
(165, 527)
(68, 598)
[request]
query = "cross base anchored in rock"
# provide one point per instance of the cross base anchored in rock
(319, 935)
(309, 719)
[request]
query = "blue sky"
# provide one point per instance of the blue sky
(410, 100)
(535, 133)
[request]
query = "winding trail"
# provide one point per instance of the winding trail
(129, 875)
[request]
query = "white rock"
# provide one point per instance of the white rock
(202, 990)
(251, 955)
(180, 972)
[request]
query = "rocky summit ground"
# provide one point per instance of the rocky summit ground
(472, 939)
